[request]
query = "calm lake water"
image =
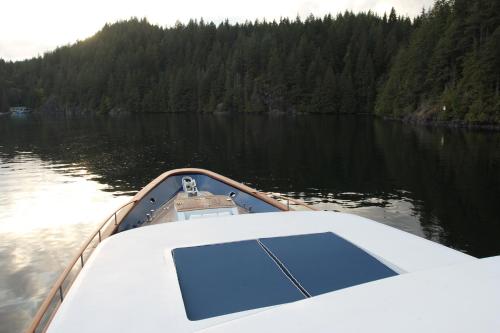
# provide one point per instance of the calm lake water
(59, 176)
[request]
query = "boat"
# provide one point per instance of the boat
(19, 110)
(196, 251)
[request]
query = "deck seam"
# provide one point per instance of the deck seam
(285, 270)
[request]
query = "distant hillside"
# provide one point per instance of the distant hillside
(445, 65)
(451, 68)
(330, 64)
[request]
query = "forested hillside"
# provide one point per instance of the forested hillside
(451, 68)
(443, 65)
(330, 64)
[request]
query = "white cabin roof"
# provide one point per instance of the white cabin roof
(130, 283)
(464, 297)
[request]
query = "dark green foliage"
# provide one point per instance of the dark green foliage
(329, 64)
(451, 68)
(443, 66)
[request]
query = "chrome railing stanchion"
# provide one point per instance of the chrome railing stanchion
(61, 293)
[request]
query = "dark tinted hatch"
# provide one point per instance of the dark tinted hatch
(325, 262)
(225, 278)
(231, 277)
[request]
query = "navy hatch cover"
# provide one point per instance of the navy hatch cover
(231, 277)
(325, 262)
(225, 278)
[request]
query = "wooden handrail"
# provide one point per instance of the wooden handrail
(259, 195)
(58, 285)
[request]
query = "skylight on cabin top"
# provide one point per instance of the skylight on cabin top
(225, 278)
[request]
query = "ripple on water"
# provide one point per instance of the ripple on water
(45, 212)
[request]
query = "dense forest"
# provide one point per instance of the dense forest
(442, 65)
(450, 70)
(316, 65)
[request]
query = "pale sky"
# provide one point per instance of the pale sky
(31, 27)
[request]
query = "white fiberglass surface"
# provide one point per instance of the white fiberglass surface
(132, 276)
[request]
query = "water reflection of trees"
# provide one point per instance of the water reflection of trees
(451, 177)
(454, 174)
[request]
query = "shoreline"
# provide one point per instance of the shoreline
(452, 124)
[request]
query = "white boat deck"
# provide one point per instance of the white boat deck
(130, 282)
